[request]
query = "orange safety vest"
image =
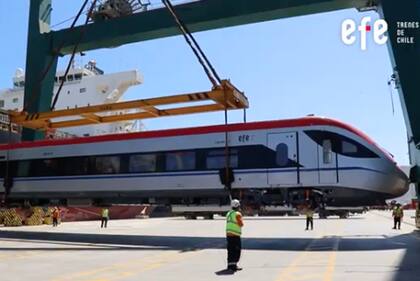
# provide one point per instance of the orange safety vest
(56, 214)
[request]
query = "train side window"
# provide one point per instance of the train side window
(327, 151)
(47, 167)
(216, 159)
(74, 166)
(107, 164)
(341, 144)
(348, 148)
(2, 169)
(23, 168)
(355, 149)
(282, 155)
(178, 161)
(142, 163)
(41, 168)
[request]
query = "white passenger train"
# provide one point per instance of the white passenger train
(273, 162)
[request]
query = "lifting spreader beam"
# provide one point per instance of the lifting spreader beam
(221, 97)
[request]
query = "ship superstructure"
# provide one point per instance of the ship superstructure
(83, 86)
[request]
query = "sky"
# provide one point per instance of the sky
(288, 68)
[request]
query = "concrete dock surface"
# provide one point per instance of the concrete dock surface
(362, 247)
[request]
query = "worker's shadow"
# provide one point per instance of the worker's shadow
(225, 272)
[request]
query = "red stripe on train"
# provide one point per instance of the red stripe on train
(301, 122)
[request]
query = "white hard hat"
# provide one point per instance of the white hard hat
(235, 203)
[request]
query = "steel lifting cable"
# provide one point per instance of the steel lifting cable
(92, 6)
(47, 69)
(63, 22)
(214, 79)
(205, 63)
(227, 153)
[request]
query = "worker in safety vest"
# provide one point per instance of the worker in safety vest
(309, 212)
(234, 225)
(398, 214)
(104, 217)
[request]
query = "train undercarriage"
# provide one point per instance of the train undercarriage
(206, 203)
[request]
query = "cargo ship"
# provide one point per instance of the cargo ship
(83, 86)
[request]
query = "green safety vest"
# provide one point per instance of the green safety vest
(232, 225)
(398, 212)
(105, 213)
(309, 213)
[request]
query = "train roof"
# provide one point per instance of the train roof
(285, 123)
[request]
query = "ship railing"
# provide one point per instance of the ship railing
(5, 123)
(4, 117)
(57, 134)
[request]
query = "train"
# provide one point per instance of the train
(280, 162)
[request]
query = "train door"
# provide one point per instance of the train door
(327, 163)
(286, 159)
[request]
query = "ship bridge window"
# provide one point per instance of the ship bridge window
(142, 163)
(179, 161)
(1, 103)
(82, 90)
(16, 84)
(4, 119)
(78, 76)
(70, 78)
(282, 155)
(15, 100)
(341, 144)
(216, 159)
(61, 79)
